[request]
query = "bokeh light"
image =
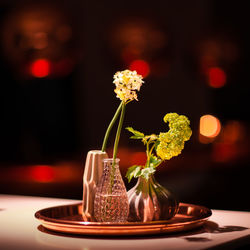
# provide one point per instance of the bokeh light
(40, 68)
(141, 67)
(233, 131)
(42, 173)
(210, 126)
(40, 40)
(138, 158)
(216, 77)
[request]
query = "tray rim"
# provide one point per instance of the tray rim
(90, 224)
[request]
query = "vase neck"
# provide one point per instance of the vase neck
(144, 184)
(147, 181)
(110, 166)
(110, 162)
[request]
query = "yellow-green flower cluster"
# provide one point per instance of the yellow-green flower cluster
(127, 83)
(172, 142)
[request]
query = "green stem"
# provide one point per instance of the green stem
(118, 133)
(105, 140)
(150, 152)
(147, 153)
(117, 138)
(147, 149)
(159, 164)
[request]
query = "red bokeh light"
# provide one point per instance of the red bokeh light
(141, 67)
(40, 68)
(224, 152)
(138, 158)
(216, 77)
(42, 173)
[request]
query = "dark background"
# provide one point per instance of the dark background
(53, 111)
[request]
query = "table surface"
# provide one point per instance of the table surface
(20, 230)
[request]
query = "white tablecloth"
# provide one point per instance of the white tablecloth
(19, 230)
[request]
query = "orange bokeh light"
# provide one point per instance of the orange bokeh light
(216, 77)
(42, 173)
(40, 68)
(141, 67)
(210, 126)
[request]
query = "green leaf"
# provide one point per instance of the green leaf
(135, 137)
(146, 172)
(154, 161)
(137, 134)
(134, 171)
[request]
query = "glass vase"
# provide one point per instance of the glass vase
(111, 201)
(149, 201)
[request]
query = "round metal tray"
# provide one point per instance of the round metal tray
(68, 219)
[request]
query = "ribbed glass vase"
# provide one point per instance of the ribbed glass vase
(111, 201)
(149, 201)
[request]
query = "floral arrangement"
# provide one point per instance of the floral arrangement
(161, 147)
(111, 200)
(127, 84)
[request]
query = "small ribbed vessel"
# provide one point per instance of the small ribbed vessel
(92, 175)
(150, 201)
(111, 201)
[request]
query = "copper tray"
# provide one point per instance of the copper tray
(68, 219)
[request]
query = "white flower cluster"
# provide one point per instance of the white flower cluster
(127, 83)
